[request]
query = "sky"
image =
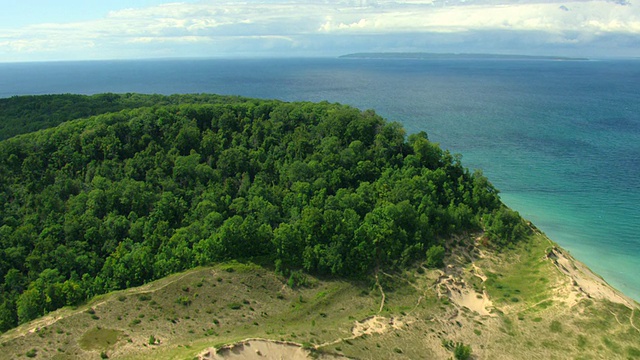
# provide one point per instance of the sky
(55, 30)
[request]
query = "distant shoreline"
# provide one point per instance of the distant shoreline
(451, 56)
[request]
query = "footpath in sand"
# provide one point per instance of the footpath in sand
(262, 349)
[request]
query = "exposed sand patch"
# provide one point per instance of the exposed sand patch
(452, 284)
(585, 281)
(261, 349)
(462, 296)
(373, 325)
(370, 325)
(478, 272)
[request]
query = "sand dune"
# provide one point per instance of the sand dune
(262, 349)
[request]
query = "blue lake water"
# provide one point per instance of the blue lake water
(560, 139)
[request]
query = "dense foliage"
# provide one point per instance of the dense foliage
(24, 114)
(120, 199)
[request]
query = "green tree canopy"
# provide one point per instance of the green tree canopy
(141, 186)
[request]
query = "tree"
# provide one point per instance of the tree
(435, 256)
(505, 226)
(30, 305)
(8, 316)
(287, 241)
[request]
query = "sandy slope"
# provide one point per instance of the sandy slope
(584, 281)
(261, 349)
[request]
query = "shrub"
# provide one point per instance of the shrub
(634, 353)
(435, 257)
(462, 352)
(184, 300)
(505, 226)
(297, 279)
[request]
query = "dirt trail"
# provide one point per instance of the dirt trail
(478, 272)
(372, 325)
(615, 316)
(631, 320)
(382, 292)
(420, 290)
(260, 349)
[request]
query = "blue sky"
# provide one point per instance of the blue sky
(40, 30)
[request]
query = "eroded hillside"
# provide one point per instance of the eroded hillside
(519, 302)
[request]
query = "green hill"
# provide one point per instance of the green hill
(345, 216)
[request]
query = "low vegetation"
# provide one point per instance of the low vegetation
(337, 316)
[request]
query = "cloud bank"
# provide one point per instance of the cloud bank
(297, 27)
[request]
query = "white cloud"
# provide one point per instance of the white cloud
(211, 21)
(593, 16)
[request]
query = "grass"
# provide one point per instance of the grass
(234, 301)
(100, 339)
(525, 282)
(555, 326)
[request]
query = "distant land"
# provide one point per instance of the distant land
(437, 56)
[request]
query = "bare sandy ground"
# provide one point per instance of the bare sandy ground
(463, 296)
(371, 325)
(261, 349)
(584, 281)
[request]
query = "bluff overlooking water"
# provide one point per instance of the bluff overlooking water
(175, 226)
(561, 140)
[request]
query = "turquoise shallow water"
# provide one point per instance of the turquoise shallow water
(561, 140)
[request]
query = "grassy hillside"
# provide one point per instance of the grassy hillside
(534, 310)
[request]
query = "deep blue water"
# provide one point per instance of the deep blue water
(560, 139)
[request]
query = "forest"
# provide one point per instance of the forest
(110, 191)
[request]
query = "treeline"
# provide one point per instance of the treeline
(25, 114)
(120, 199)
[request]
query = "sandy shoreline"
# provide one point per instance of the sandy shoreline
(585, 282)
